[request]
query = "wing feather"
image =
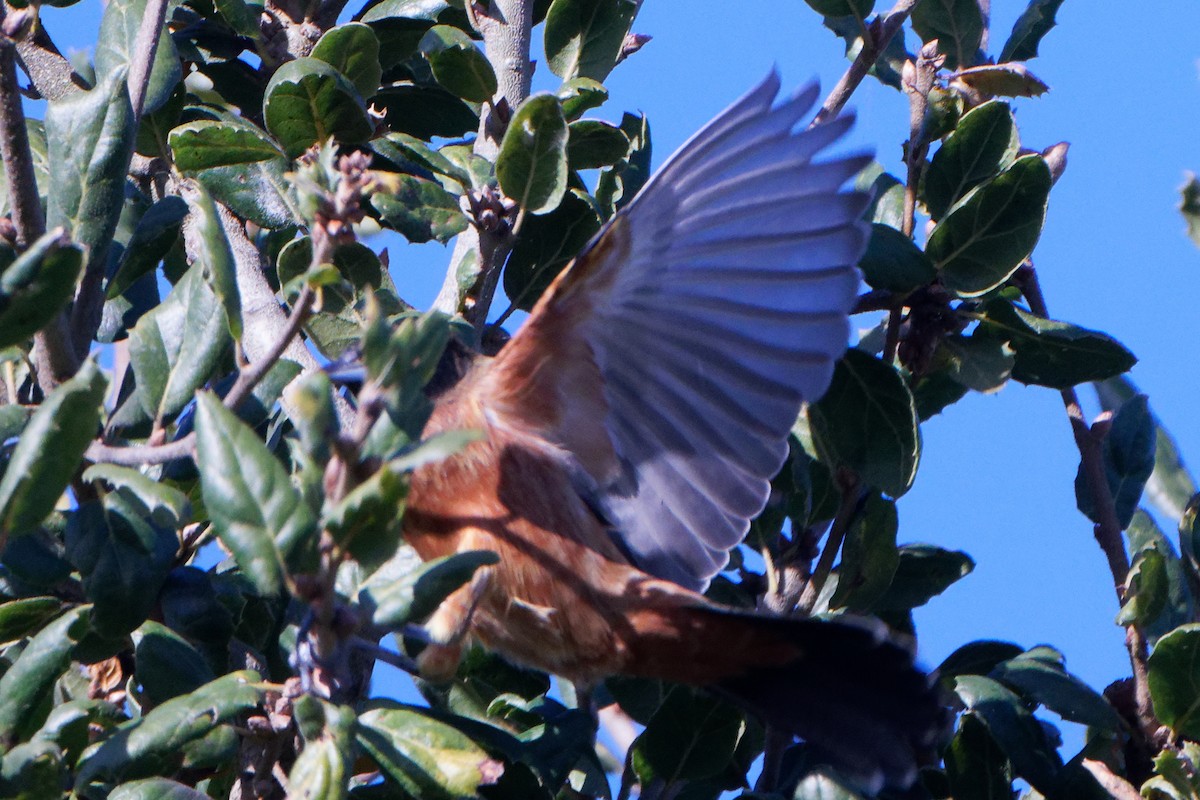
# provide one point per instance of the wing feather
(707, 312)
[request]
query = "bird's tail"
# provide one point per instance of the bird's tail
(848, 687)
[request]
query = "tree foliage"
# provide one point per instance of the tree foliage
(185, 229)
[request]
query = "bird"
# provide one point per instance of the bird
(629, 432)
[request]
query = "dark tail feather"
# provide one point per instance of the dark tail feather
(852, 692)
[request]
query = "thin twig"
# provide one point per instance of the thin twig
(881, 31)
(849, 484)
(248, 378)
(1107, 529)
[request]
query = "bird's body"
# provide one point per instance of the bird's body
(629, 433)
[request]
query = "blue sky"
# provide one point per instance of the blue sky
(996, 475)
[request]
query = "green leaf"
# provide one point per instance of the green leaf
(956, 24)
(308, 102)
(977, 658)
(1013, 727)
(458, 65)
(123, 560)
(1002, 80)
(1171, 485)
(50, 450)
(426, 112)
(984, 238)
(893, 263)
(1173, 586)
(1045, 681)
(583, 38)
(256, 511)
(353, 50)
(814, 786)
(1145, 589)
(36, 287)
(403, 150)
(32, 771)
(90, 137)
(1128, 455)
(859, 9)
(373, 508)
(1177, 776)
(924, 572)
(240, 166)
(156, 789)
(431, 10)
(547, 244)
(115, 51)
(323, 768)
(887, 196)
(166, 665)
(580, 95)
(1174, 679)
(164, 504)
(593, 144)
(691, 736)
(976, 768)
(981, 363)
(428, 758)
(1189, 206)
(866, 422)
(1054, 354)
(27, 683)
(619, 185)
(156, 233)
(984, 144)
(19, 618)
(150, 744)
(1034, 23)
(175, 348)
(532, 163)
(869, 556)
(397, 600)
(420, 210)
(216, 257)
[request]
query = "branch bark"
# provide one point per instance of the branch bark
(52, 75)
(881, 32)
(144, 50)
(53, 357)
(1108, 530)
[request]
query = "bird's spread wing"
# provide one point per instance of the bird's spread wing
(671, 358)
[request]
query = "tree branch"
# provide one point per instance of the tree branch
(507, 28)
(1108, 529)
(881, 32)
(54, 358)
(52, 75)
